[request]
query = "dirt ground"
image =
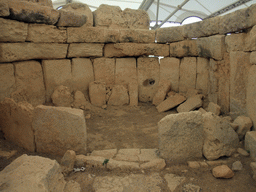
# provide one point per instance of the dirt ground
(136, 127)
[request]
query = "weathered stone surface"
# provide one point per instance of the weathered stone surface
(32, 173)
(214, 108)
(104, 70)
(42, 2)
(16, 123)
(133, 89)
(251, 95)
(243, 152)
(41, 33)
(135, 49)
(222, 171)
(213, 81)
(184, 49)
(137, 35)
(171, 102)
(12, 31)
(170, 70)
(202, 74)
(4, 8)
(72, 186)
(136, 19)
(80, 102)
(156, 164)
(111, 35)
(239, 69)
(128, 155)
(181, 136)
(187, 74)
(250, 143)
(148, 78)
(85, 50)
(138, 182)
(253, 58)
(58, 129)
(193, 164)
(211, 47)
(237, 166)
(123, 165)
(27, 51)
(68, 161)
(170, 34)
(173, 181)
(62, 97)
(235, 42)
(107, 153)
(202, 110)
(30, 12)
(163, 88)
(190, 104)
(85, 35)
(250, 37)
(253, 166)
(220, 139)
(119, 96)
(148, 154)
(244, 125)
(97, 93)
(71, 19)
(191, 188)
(56, 73)
(7, 80)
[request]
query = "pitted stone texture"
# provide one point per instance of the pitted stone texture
(244, 125)
(137, 36)
(181, 136)
(148, 78)
(68, 161)
(119, 96)
(7, 80)
(97, 93)
(170, 70)
(58, 129)
(70, 19)
(191, 104)
(187, 74)
(4, 8)
(85, 50)
(214, 108)
(250, 143)
(163, 88)
(28, 12)
(16, 123)
(220, 139)
(202, 74)
(104, 70)
(107, 153)
(170, 34)
(111, 35)
(135, 49)
(173, 181)
(85, 35)
(12, 31)
(56, 73)
(132, 182)
(32, 173)
(62, 97)
(251, 95)
(185, 48)
(235, 42)
(29, 83)
(41, 33)
(136, 19)
(171, 102)
(27, 51)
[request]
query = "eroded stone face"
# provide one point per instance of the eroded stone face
(7, 80)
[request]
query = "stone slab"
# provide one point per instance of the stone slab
(170, 102)
(85, 50)
(170, 34)
(251, 95)
(104, 70)
(107, 153)
(190, 104)
(202, 74)
(148, 154)
(7, 80)
(4, 10)
(119, 96)
(187, 48)
(250, 143)
(128, 155)
(97, 93)
(137, 35)
(70, 19)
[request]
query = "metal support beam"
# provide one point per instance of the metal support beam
(146, 4)
(175, 11)
(157, 13)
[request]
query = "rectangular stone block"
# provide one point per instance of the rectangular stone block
(187, 74)
(7, 80)
(71, 19)
(170, 102)
(213, 81)
(104, 70)
(235, 42)
(170, 70)
(12, 31)
(135, 50)
(202, 74)
(184, 49)
(148, 77)
(239, 69)
(251, 95)
(170, 34)
(133, 89)
(27, 51)
(41, 33)
(56, 73)
(85, 50)
(253, 58)
(85, 35)
(97, 93)
(250, 40)
(137, 35)
(111, 35)
(82, 74)
(4, 8)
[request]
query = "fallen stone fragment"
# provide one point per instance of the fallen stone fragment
(202, 110)
(215, 163)
(156, 164)
(222, 171)
(62, 97)
(250, 143)
(97, 93)
(173, 181)
(214, 108)
(128, 155)
(170, 102)
(253, 166)
(234, 126)
(68, 161)
(80, 102)
(107, 153)
(193, 164)
(244, 125)
(237, 166)
(243, 152)
(190, 104)
(119, 96)
(164, 88)
(191, 188)
(89, 161)
(6, 154)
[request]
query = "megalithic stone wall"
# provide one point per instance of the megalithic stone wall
(216, 56)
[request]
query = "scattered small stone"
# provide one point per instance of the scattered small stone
(104, 106)
(191, 188)
(68, 161)
(202, 110)
(237, 166)
(244, 125)
(203, 164)
(184, 171)
(236, 155)
(222, 171)
(173, 181)
(234, 126)
(88, 116)
(7, 155)
(214, 108)
(253, 166)
(243, 152)
(193, 164)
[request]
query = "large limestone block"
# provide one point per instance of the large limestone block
(41, 33)
(32, 173)
(97, 93)
(56, 73)
(202, 74)
(16, 123)
(187, 74)
(85, 35)
(213, 81)
(30, 12)
(58, 129)
(7, 80)
(251, 95)
(171, 102)
(148, 77)
(244, 125)
(170, 34)
(82, 9)
(29, 82)
(184, 49)
(137, 35)
(250, 143)
(163, 88)
(62, 97)
(82, 74)
(239, 68)
(71, 19)
(27, 51)
(136, 19)
(119, 96)
(220, 139)
(181, 136)
(135, 49)
(235, 42)
(170, 70)
(85, 50)
(13, 31)
(4, 8)
(104, 70)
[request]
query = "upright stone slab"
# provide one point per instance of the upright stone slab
(187, 74)
(250, 143)
(239, 69)
(148, 77)
(235, 42)
(85, 50)
(133, 90)
(58, 129)
(56, 72)
(7, 80)
(202, 74)
(119, 96)
(251, 95)
(213, 81)
(29, 82)
(104, 70)
(97, 93)
(82, 74)
(181, 136)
